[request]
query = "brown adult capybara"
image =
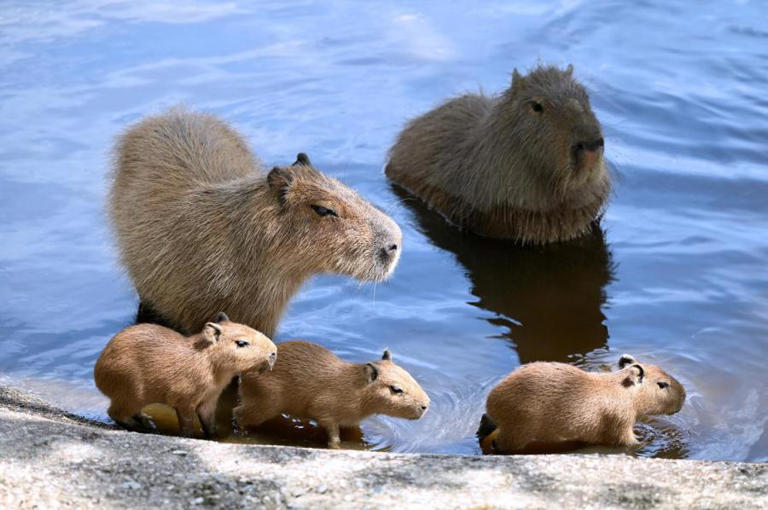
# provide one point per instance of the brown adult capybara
(147, 364)
(543, 406)
(525, 165)
(201, 228)
(309, 381)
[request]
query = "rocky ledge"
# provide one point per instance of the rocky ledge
(51, 459)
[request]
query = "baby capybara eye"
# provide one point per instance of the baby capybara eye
(323, 211)
(241, 343)
(663, 384)
(536, 107)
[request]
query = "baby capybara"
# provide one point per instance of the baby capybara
(147, 363)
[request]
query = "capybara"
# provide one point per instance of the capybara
(147, 363)
(545, 405)
(525, 165)
(201, 228)
(309, 381)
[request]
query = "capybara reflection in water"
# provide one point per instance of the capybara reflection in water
(147, 364)
(201, 228)
(525, 165)
(544, 406)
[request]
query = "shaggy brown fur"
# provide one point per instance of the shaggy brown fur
(200, 228)
(309, 381)
(550, 404)
(147, 363)
(526, 165)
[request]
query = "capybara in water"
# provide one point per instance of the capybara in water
(201, 228)
(546, 405)
(525, 165)
(147, 363)
(309, 381)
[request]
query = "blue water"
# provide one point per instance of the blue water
(679, 278)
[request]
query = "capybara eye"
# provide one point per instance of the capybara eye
(395, 389)
(242, 343)
(663, 384)
(323, 211)
(536, 107)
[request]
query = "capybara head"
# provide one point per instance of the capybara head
(238, 347)
(554, 129)
(654, 391)
(392, 391)
(335, 229)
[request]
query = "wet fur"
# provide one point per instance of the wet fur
(492, 166)
(309, 381)
(147, 363)
(556, 404)
(201, 228)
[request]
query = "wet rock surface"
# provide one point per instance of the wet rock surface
(50, 458)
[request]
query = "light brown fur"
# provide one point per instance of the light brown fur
(201, 228)
(554, 403)
(147, 363)
(309, 381)
(499, 168)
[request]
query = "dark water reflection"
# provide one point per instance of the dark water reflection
(548, 299)
(677, 278)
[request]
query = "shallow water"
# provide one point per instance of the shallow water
(678, 279)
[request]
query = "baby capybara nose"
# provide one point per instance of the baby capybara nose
(389, 251)
(423, 408)
(272, 359)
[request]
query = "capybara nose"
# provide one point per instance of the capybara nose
(590, 145)
(272, 359)
(388, 251)
(423, 408)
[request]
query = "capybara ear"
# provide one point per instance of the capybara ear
(569, 70)
(279, 180)
(302, 159)
(517, 79)
(222, 317)
(212, 332)
(635, 376)
(625, 360)
(371, 372)
(387, 356)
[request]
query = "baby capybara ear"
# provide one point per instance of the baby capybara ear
(634, 376)
(302, 159)
(222, 317)
(212, 332)
(625, 360)
(371, 372)
(280, 180)
(387, 356)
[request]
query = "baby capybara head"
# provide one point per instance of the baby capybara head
(653, 390)
(392, 391)
(555, 130)
(336, 230)
(237, 347)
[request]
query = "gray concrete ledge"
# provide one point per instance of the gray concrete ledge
(50, 458)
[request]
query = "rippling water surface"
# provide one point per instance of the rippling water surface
(679, 277)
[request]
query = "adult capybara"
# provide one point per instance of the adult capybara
(309, 381)
(147, 364)
(201, 228)
(546, 405)
(525, 165)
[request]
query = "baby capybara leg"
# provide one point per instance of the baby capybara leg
(186, 418)
(206, 413)
(332, 429)
(252, 415)
(506, 443)
(125, 415)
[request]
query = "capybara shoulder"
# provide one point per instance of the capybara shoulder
(525, 165)
(309, 381)
(547, 405)
(147, 363)
(201, 228)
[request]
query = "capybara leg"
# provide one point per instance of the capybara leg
(123, 415)
(206, 413)
(186, 422)
(144, 422)
(252, 415)
(332, 428)
(506, 443)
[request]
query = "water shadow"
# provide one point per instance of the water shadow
(547, 299)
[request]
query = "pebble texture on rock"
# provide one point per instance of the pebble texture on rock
(52, 459)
